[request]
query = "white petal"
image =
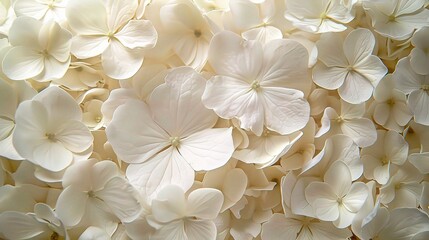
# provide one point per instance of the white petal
(121, 197)
(207, 149)
(31, 8)
(75, 136)
(89, 46)
(244, 13)
(323, 199)
(279, 227)
(329, 77)
(356, 197)
(138, 34)
(358, 45)
(192, 51)
(94, 233)
(406, 80)
(263, 34)
(230, 97)
(52, 156)
(71, 205)
(204, 203)
(356, 88)
(134, 142)
(381, 173)
(196, 230)
(177, 105)
(420, 161)
(120, 12)
(330, 50)
(22, 63)
(174, 231)
(120, 62)
(17, 225)
(418, 101)
(362, 131)
(167, 167)
(229, 55)
(169, 204)
(372, 68)
(345, 218)
(24, 32)
(53, 69)
(339, 178)
(286, 65)
(58, 43)
(286, 110)
(87, 17)
(405, 223)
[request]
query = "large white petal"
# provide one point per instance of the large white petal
(358, 45)
(24, 32)
(53, 69)
(121, 197)
(329, 77)
(286, 65)
(138, 34)
(89, 46)
(167, 167)
(362, 131)
(339, 178)
(139, 139)
(418, 101)
(196, 230)
(169, 204)
(286, 110)
(406, 80)
(279, 228)
(119, 12)
(207, 149)
(21, 63)
(177, 106)
(75, 136)
(192, 51)
(231, 97)
(174, 231)
(330, 50)
(323, 199)
(356, 197)
(71, 205)
(87, 17)
(31, 8)
(120, 62)
(58, 41)
(244, 13)
(405, 223)
(204, 203)
(17, 225)
(372, 68)
(229, 55)
(52, 156)
(356, 88)
(60, 106)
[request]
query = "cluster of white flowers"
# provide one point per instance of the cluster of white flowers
(214, 119)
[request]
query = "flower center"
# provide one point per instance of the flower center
(350, 68)
(392, 18)
(385, 160)
(91, 194)
(98, 119)
(197, 33)
(255, 85)
(174, 141)
(54, 236)
(51, 137)
(266, 133)
(425, 87)
(339, 119)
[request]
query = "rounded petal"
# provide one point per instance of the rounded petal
(339, 178)
(361, 130)
(358, 45)
(356, 88)
(25, 32)
(120, 62)
(204, 203)
(89, 46)
(87, 17)
(138, 34)
(17, 225)
(356, 197)
(22, 63)
(330, 78)
(418, 101)
(75, 136)
(196, 230)
(169, 204)
(53, 69)
(94, 233)
(71, 205)
(52, 156)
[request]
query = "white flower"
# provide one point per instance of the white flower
(349, 122)
(42, 224)
(11, 95)
(349, 65)
(381, 159)
(397, 19)
(107, 28)
(49, 131)
(187, 31)
(96, 188)
(46, 10)
(7, 15)
(258, 84)
(175, 215)
(337, 199)
(168, 138)
(318, 17)
(390, 105)
(40, 51)
(419, 56)
(416, 86)
(266, 149)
